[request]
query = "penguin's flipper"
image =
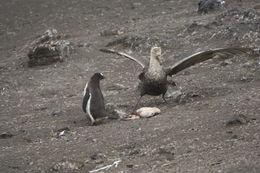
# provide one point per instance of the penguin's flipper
(85, 101)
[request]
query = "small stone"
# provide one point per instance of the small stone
(68, 164)
(234, 137)
(247, 64)
(226, 62)
(174, 94)
(192, 28)
(6, 135)
(41, 108)
(237, 120)
(130, 166)
(229, 131)
(83, 45)
(107, 33)
(166, 151)
(63, 129)
(97, 156)
(26, 139)
(14, 167)
(62, 133)
(216, 163)
(246, 78)
(134, 152)
(186, 73)
(57, 112)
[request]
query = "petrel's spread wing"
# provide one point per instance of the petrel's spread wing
(124, 55)
(203, 56)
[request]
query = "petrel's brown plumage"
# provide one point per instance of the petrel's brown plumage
(153, 79)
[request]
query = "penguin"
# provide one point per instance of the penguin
(93, 100)
(153, 78)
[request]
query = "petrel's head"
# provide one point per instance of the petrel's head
(156, 53)
(98, 76)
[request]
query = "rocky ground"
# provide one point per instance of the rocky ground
(213, 126)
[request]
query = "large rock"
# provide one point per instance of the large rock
(49, 48)
(206, 5)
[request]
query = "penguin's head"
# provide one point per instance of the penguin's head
(98, 76)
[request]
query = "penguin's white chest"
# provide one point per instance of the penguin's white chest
(85, 89)
(88, 108)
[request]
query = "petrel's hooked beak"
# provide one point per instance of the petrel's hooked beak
(159, 58)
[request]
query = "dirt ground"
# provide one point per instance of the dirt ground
(214, 127)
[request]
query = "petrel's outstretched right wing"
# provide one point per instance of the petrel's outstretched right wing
(203, 56)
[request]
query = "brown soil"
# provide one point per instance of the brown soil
(188, 136)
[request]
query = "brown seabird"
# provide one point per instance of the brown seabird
(153, 79)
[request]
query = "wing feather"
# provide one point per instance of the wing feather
(124, 55)
(203, 56)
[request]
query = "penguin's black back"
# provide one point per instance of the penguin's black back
(97, 105)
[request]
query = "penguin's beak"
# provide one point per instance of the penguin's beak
(104, 77)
